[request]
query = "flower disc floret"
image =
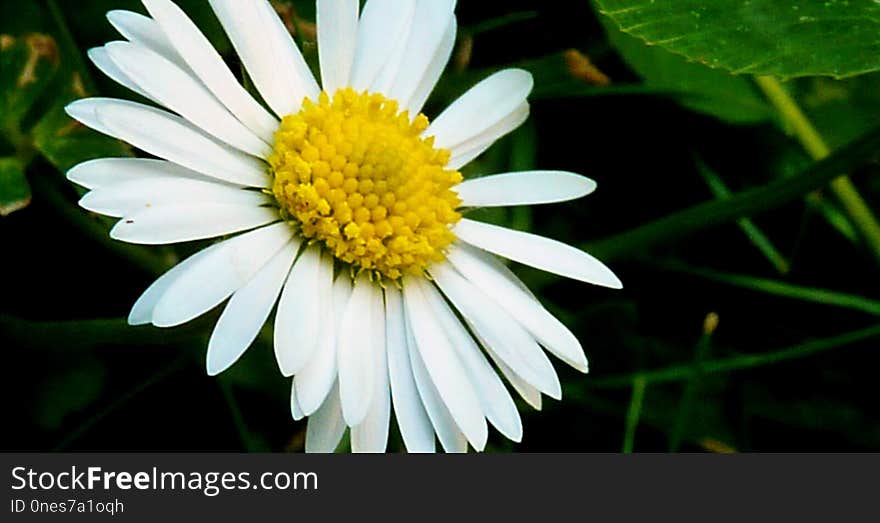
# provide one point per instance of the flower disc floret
(356, 174)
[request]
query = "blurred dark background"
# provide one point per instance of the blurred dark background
(698, 309)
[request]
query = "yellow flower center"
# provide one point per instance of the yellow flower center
(355, 173)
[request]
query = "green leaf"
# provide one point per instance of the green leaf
(15, 193)
(702, 89)
(61, 140)
(765, 37)
(41, 71)
(28, 64)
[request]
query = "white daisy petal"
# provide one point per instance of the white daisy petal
(298, 321)
(371, 435)
(465, 152)
(247, 311)
(393, 64)
(144, 31)
(443, 364)
(180, 92)
(110, 171)
(415, 426)
(483, 106)
(101, 59)
(215, 276)
(85, 112)
(169, 137)
(268, 52)
(289, 57)
(142, 311)
(499, 331)
(127, 198)
(523, 188)
(537, 251)
(176, 223)
(354, 354)
(326, 426)
(430, 22)
(435, 69)
(337, 22)
(528, 393)
(495, 401)
(382, 30)
(451, 437)
(313, 382)
(497, 281)
(296, 411)
(206, 63)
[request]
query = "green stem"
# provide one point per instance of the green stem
(736, 363)
(790, 112)
(633, 413)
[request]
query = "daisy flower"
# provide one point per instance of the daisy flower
(343, 204)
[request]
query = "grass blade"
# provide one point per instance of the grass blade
(743, 204)
(691, 388)
(633, 413)
(760, 240)
(742, 362)
(783, 289)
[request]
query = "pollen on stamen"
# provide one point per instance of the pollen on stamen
(354, 173)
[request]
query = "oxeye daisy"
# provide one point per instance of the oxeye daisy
(342, 203)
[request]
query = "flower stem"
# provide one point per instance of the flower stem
(818, 149)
